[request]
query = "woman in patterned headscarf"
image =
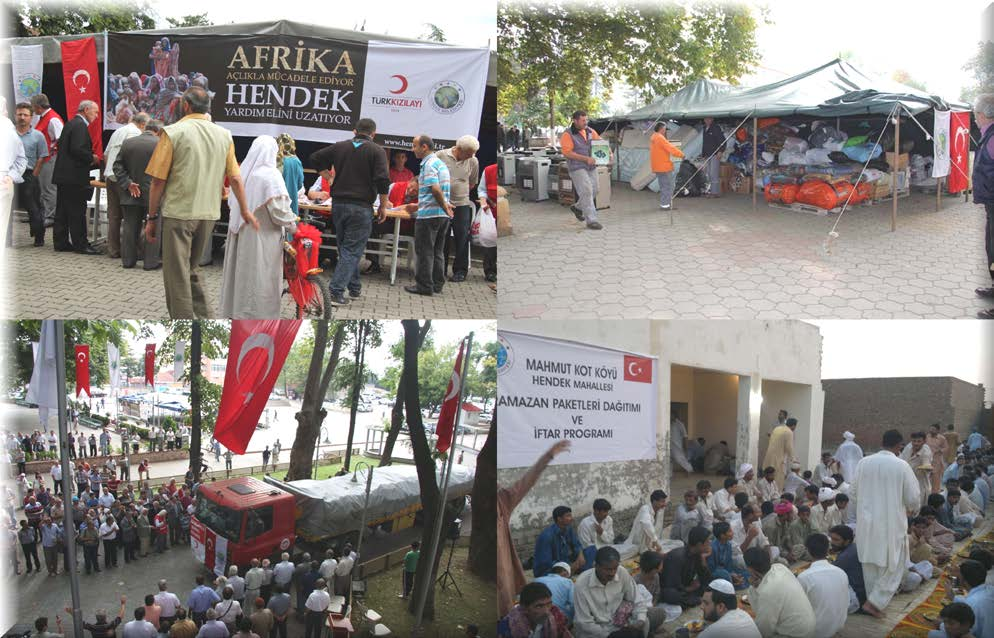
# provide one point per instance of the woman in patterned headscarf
(289, 164)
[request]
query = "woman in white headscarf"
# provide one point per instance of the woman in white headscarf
(253, 262)
(849, 455)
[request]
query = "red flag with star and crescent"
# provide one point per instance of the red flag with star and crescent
(82, 370)
(256, 353)
(82, 82)
(959, 151)
(450, 405)
(149, 364)
(638, 369)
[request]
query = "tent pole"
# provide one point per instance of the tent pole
(755, 153)
(938, 194)
(893, 172)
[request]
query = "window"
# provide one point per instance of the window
(258, 522)
(217, 368)
(224, 521)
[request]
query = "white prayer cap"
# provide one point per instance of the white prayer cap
(826, 494)
(723, 586)
(565, 566)
(829, 481)
(744, 469)
(795, 465)
(849, 436)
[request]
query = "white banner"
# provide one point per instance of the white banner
(413, 88)
(178, 360)
(114, 362)
(604, 401)
(43, 390)
(940, 144)
(26, 66)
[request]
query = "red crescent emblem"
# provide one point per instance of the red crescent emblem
(403, 84)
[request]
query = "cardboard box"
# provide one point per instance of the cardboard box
(741, 184)
(503, 217)
(727, 170)
(902, 161)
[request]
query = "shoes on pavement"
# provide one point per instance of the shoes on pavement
(39, 242)
(355, 294)
(594, 226)
(373, 269)
(88, 250)
(338, 299)
(457, 277)
(987, 293)
(577, 213)
(414, 290)
(491, 278)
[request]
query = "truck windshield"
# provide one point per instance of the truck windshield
(223, 521)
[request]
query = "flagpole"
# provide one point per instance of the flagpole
(69, 531)
(440, 510)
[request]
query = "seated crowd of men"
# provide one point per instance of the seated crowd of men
(747, 535)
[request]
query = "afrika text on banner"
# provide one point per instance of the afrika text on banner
(604, 401)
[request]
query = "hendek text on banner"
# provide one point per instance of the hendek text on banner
(604, 401)
(256, 353)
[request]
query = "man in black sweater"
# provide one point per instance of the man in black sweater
(714, 139)
(685, 573)
(361, 176)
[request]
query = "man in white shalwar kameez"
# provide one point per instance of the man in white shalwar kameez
(848, 455)
(919, 457)
(678, 444)
(252, 280)
(794, 483)
(597, 528)
(645, 530)
(780, 451)
(884, 491)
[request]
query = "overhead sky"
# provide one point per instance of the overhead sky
(864, 349)
(470, 24)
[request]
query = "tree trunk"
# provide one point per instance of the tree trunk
(312, 412)
(483, 536)
(195, 381)
(427, 472)
(360, 349)
(552, 116)
(397, 414)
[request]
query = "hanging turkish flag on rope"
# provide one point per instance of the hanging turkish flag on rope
(959, 151)
(450, 406)
(82, 370)
(82, 82)
(256, 352)
(150, 364)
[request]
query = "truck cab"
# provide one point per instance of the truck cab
(239, 519)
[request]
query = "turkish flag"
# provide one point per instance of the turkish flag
(638, 369)
(450, 405)
(256, 352)
(82, 82)
(150, 364)
(959, 151)
(82, 370)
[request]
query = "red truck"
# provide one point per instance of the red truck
(243, 518)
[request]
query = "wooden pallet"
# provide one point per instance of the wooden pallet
(880, 200)
(798, 207)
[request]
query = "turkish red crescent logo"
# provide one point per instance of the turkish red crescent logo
(638, 369)
(403, 84)
(81, 356)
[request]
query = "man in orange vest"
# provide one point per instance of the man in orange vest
(576, 146)
(50, 124)
(661, 154)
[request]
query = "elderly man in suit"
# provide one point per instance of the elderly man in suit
(134, 184)
(72, 179)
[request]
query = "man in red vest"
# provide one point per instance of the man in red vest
(487, 191)
(50, 124)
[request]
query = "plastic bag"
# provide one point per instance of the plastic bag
(857, 140)
(824, 134)
(790, 193)
(818, 193)
(815, 156)
(786, 158)
(795, 145)
(863, 152)
(483, 229)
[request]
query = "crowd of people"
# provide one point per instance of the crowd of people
(158, 213)
(811, 547)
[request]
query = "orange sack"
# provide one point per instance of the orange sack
(818, 193)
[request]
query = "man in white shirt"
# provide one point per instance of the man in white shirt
(228, 609)
(139, 627)
(317, 606)
(598, 593)
(167, 601)
(919, 457)
(768, 488)
(106, 499)
(13, 164)
(747, 533)
(794, 483)
(132, 129)
(724, 499)
(237, 584)
(720, 608)
(781, 606)
(826, 515)
(884, 491)
(706, 498)
(283, 572)
(827, 588)
(253, 580)
(747, 483)
(328, 566)
(597, 528)
(108, 534)
(688, 515)
(645, 529)
(824, 469)
(343, 575)
(56, 478)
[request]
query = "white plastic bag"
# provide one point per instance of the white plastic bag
(483, 230)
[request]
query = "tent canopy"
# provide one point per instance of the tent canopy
(52, 53)
(835, 89)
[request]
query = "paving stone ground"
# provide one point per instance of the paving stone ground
(44, 284)
(720, 259)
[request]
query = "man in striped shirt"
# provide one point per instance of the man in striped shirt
(432, 224)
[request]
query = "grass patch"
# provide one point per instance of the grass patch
(477, 605)
(327, 471)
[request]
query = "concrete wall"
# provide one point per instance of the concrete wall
(869, 407)
(734, 359)
(796, 399)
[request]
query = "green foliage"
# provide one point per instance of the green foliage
(982, 66)
(17, 348)
(902, 76)
(37, 17)
(433, 33)
(193, 20)
(298, 361)
(557, 49)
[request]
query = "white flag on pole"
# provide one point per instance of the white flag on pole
(34, 350)
(26, 65)
(940, 144)
(178, 360)
(114, 361)
(42, 389)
